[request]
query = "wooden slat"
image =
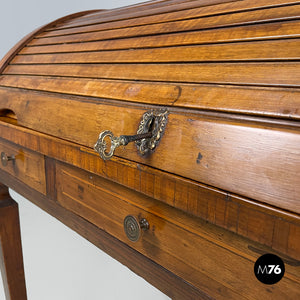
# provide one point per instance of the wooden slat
(252, 32)
(272, 74)
(144, 10)
(252, 17)
(264, 157)
(163, 14)
(283, 103)
(108, 23)
(250, 51)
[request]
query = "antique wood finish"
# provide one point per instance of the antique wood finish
(221, 188)
(171, 239)
(28, 166)
(216, 206)
(211, 137)
(11, 258)
(163, 279)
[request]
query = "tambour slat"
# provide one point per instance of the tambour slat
(273, 74)
(273, 102)
(270, 50)
(253, 17)
(252, 32)
(180, 11)
(140, 11)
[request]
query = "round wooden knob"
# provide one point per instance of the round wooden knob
(134, 227)
(5, 158)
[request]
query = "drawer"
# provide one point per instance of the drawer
(214, 260)
(246, 156)
(26, 165)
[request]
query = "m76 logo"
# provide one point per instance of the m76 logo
(269, 269)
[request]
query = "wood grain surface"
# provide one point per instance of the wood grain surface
(27, 165)
(240, 156)
(165, 13)
(273, 227)
(11, 257)
(265, 31)
(192, 23)
(170, 284)
(171, 239)
(222, 187)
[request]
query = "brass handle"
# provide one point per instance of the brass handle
(134, 227)
(149, 133)
(5, 158)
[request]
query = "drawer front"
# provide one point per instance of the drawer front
(213, 260)
(24, 164)
(257, 160)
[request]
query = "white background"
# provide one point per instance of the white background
(59, 264)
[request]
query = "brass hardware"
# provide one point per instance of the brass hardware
(5, 158)
(134, 227)
(154, 121)
(149, 133)
(101, 146)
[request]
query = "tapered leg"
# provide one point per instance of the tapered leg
(11, 258)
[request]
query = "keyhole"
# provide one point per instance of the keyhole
(151, 125)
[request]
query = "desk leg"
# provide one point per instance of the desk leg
(11, 258)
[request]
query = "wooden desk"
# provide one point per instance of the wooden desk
(215, 85)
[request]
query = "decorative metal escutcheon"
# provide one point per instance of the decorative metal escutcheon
(147, 138)
(134, 227)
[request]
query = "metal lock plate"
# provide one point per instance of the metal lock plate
(149, 134)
